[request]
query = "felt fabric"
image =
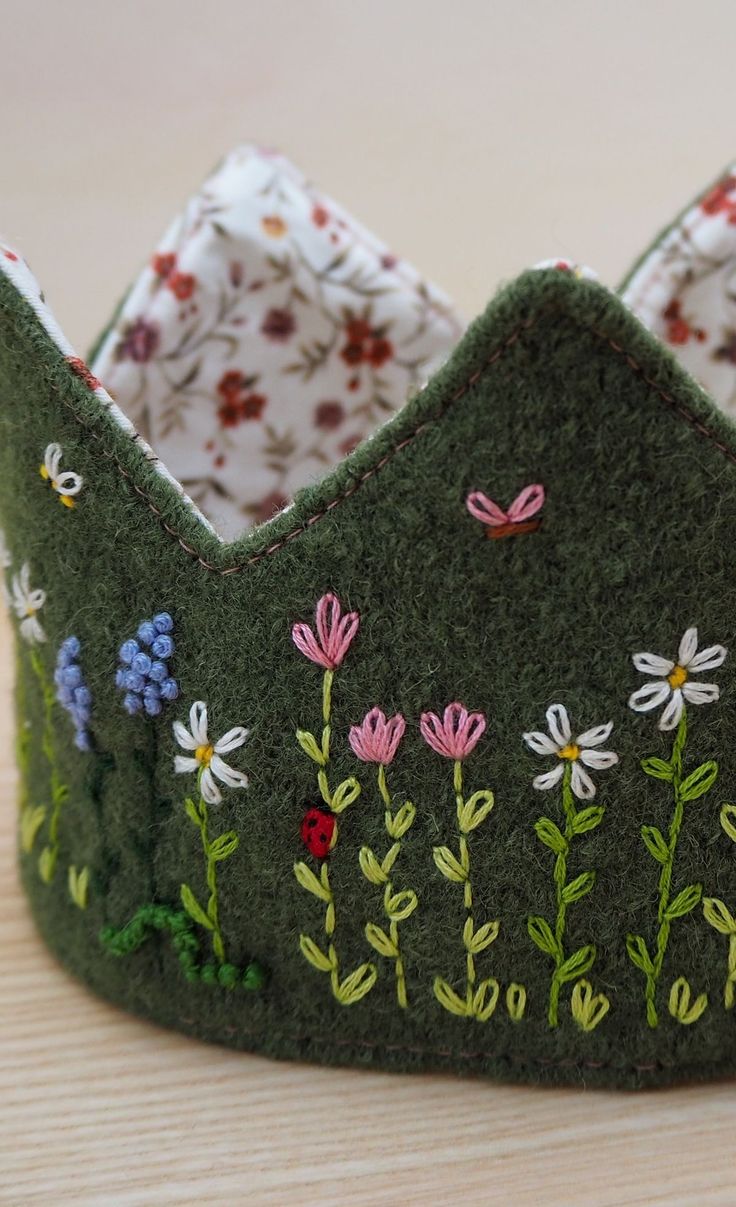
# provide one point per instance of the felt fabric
(557, 386)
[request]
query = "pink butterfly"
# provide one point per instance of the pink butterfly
(516, 520)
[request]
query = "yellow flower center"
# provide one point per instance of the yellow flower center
(203, 755)
(571, 752)
(677, 677)
(30, 611)
(43, 472)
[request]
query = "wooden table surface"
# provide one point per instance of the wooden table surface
(100, 1108)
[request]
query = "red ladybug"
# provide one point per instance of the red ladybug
(318, 832)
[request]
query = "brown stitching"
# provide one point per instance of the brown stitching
(493, 359)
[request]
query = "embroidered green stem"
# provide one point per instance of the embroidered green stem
(215, 851)
(59, 791)
(552, 943)
(663, 851)
(718, 916)
(476, 1002)
(397, 906)
(150, 919)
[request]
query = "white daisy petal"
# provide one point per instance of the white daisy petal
(25, 578)
(68, 483)
(228, 775)
(652, 664)
(183, 736)
(594, 736)
(598, 760)
(36, 599)
(208, 788)
(558, 724)
(198, 722)
(581, 783)
(540, 743)
(671, 716)
(708, 659)
(181, 763)
(651, 695)
(549, 779)
(700, 693)
(31, 630)
(231, 740)
(688, 647)
(52, 459)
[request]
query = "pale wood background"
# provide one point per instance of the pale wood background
(476, 136)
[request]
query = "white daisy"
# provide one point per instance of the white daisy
(207, 754)
(575, 751)
(66, 484)
(5, 558)
(27, 603)
(672, 685)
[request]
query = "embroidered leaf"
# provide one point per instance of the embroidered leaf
(655, 843)
(370, 867)
(479, 940)
(192, 812)
(224, 846)
(400, 905)
(309, 881)
(344, 795)
(475, 810)
(390, 858)
(31, 820)
(355, 986)
(578, 887)
(379, 940)
(679, 1003)
(515, 1002)
(398, 823)
(580, 962)
(47, 864)
(587, 819)
(78, 883)
(588, 1009)
(728, 821)
(699, 781)
(309, 745)
(449, 865)
(482, 1009)
(314, 954)
(193, 908)
(638, 954)
(451, 1001)
(541, 934)
(719, 916)
(550, 835)
(657, 768)
(685, 902)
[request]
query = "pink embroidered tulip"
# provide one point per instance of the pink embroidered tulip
(377, 740)
(335, 632)
(457, 734)
(513, 522)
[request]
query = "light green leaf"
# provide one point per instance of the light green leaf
(380, 941)
(450, 1000)
(515, 1002)
(655, 843)
(657, 768)
(344, 795)
(478, 941)
(541, 934)
(588, 1009)
(699, 781)
(314, 954)
(551, 835)
(447, 863)
(482, 1009)
(193, 908)
(728, 821)
(679, 1003)
(224, 846)
(47, 864)
(390, 858)
(638, 954)
(578, 887)
(78, 883)
(580, 962)
(685, 902)
(356, 985)
(398, 823)
(370, 867)
(309, 881)
(475, 810)
(192, 812)
(31, 820)
(399, 906)
(311, 747)
(719, 916)
(587, 819)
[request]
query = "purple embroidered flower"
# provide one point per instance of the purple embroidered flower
(143, 673)
(72, 691)
(140, 341)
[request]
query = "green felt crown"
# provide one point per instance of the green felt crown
(434, 768)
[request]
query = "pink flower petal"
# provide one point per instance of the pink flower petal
(484, 509)
(527, 504)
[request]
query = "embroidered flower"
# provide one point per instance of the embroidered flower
(518, 517)
(65, 483)
(569, 750)
(82, 371)
(376, 740)
(207, 758)
(673, 685)
(457, 734)
(72, 691)
(143, 673)
(335, 633)
(319, 832)
(27, 602)
(140, 340)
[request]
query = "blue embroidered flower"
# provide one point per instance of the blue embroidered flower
(72, 691)
(143, 673)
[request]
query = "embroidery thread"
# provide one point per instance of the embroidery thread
(718, 915)
(66, 483)
(515, 521)
(143, 674)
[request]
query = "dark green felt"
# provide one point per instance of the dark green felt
(637, 543)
